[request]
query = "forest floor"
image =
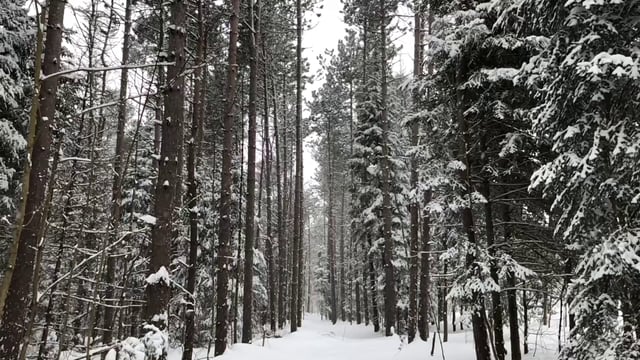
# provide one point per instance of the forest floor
(320, 340)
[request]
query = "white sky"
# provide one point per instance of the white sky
(325, 33)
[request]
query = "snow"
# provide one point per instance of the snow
(147, 219)
(319, 340)
(161, 275)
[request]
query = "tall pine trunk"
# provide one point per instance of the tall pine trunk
(118, 175)
(480, 335)
(193, 150)
(158, 290)
(414, 206)
(18, 279)
(272, 290)
(512, 295)
(389, 270)
(297, 202)
(496, 301)
(247, 300)
(226, 202)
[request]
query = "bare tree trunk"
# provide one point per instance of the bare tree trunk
(247, 300)
(477, 316)
(343, 303)
(415, 204)
(19, 276)
(158, 290)
(512, 296)
(268, 158)
(282, 246)
(193, 152)
(389, 269)
(495, 296)
(226, 202)
(297, 208)
(424, 305)
(331, 237)
(118, 175)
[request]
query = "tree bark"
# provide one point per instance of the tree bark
(158, 290)
(226, 202)
(389, 269)
(118, 175)
(414, 206)
(193, 152)
(424, 305)
(247, 300)
(282, 246)
(19, 275)
(343, 303)
(480, 335)
(511, 293)
(268, 158)
(297, 208)
(496, 303)
(331, 234)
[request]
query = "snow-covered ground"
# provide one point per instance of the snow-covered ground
(320, 340)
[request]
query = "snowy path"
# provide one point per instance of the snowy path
(319, 340)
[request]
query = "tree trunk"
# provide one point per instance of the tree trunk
(271, 265)
(389, 269)
(226, 202)
(331, 241)
(525, 311)
(247, 299)
(375, 318)
(424, 304)
(282, 246)
(158, 290)
(414, 206)
(365, 285)
(496, 302)
(19, 276)
(477, 316)
(118, 175)
(297, 207)
(199, 94)
(343, 303)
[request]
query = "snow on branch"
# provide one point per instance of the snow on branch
(101, 69)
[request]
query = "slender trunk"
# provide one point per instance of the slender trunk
(389, 269)
(415, 205)
(375, 318)
(226, 202)
(271, 270)
(247, 299)
(343, 303)
(19, 276)
(48, 316)
(443, 292)
(199, 95)
(496, 301)
(118, 175)
(424, 304)
(297, 208)
(301, 259)
(525, 311)
(158, 290)
(239, 148)
(511, 294)
(282, 246)
(331, 242)
(477, 319)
